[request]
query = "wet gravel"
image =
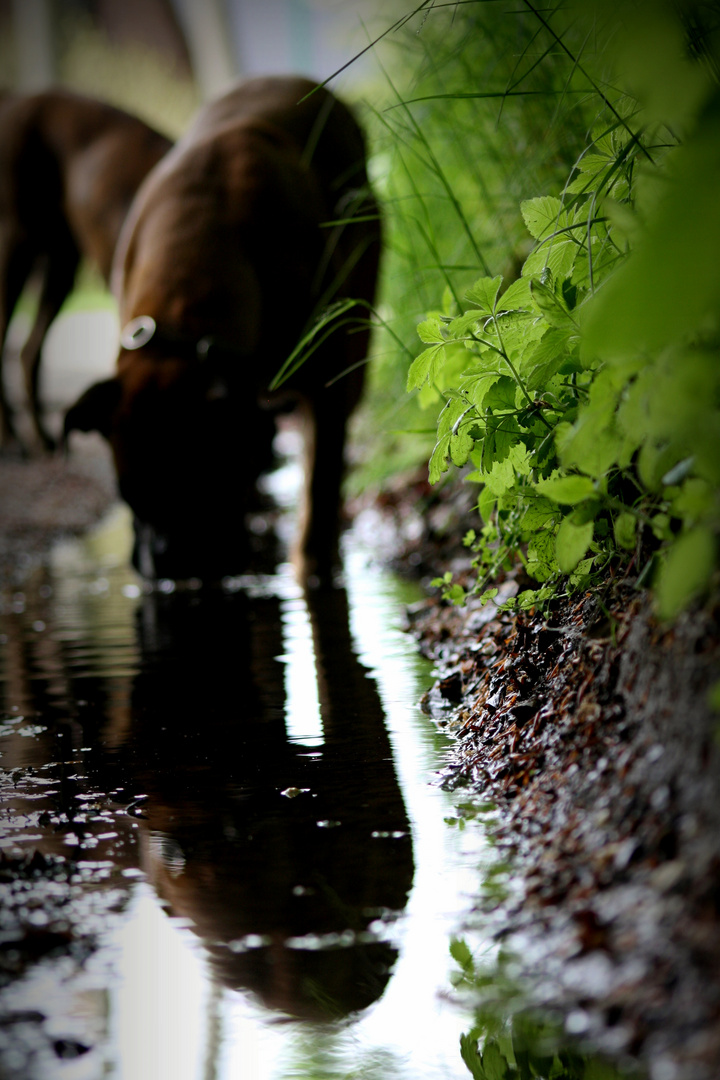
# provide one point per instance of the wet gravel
(46, 498)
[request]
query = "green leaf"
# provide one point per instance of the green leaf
(501, 395)
(461, 953)
(558, 256)
(425, 366)
(654, 462)
(486, 503)
(545, 357)
(461, 444)
(669, 284)
(475, 386)
(495, 1065)
(581, 573)
(686, 571)
(625, 528)
(464, 325)
(695, 501)
(594, 163)
(542, 563)
(571, 543)
(431, 330)
(439, 459)
(518, 332)
(654, 59)
(586, 511)
(457, 415)
(500, 437)
(661, 527)
(567, 490)
(483, 293)
(501, 477)
(592, 444)
(516, 296)
(470, 1055)
(541, 215)
(551, 306)
(455, 594)
(539, 513)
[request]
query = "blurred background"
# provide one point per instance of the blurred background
(160, 56)
(158, 59)
(451, 154)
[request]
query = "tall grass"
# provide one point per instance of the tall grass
(474, 110)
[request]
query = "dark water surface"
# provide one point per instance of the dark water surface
(224, 855)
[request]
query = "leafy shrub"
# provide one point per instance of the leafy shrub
(588, 398)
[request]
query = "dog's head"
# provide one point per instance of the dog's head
(188, 441)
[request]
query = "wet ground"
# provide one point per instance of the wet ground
(590, 728)
(234, 841)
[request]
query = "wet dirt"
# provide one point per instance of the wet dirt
(589, 728)
(47, 498)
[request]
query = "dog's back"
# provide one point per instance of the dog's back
(237, 205)
(69, 158)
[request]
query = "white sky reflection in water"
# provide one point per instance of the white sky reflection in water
(167, 1020)
(302, 707)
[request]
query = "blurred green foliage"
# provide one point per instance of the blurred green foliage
(509, 1041)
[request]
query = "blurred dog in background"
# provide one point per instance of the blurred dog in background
(69, 169)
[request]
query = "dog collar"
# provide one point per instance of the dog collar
(143, 329)
(138, 332)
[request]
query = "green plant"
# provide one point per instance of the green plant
(465, 121)
(510, 1041)
(588, 393)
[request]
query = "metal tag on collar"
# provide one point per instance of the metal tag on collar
(138, 332)
(203, 347)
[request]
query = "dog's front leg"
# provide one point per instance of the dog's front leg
(316, 552)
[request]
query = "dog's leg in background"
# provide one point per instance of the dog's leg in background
(16, 263)
(57, 282)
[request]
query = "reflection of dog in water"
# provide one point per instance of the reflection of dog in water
(285, 857)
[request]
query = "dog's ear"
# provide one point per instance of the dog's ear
(94, 410)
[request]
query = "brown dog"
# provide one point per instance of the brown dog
(258, 218)
(69, 169)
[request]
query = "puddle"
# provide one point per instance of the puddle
(223, 855)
